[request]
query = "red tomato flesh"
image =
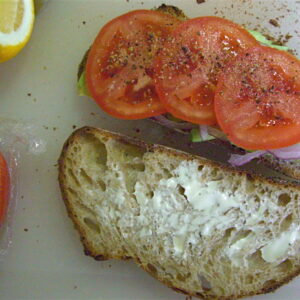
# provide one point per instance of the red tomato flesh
(4, 188)
(119, 68)
(257, 100)
(187, 68)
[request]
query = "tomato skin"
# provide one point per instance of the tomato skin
(187, 67)
(4, 188)
(257, 101)
(119, 68)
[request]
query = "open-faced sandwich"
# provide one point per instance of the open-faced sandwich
(202, 228)
(206, 76)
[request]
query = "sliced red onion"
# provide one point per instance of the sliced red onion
(163, 120)
(239, 160)
(287, 153)
(291, 152)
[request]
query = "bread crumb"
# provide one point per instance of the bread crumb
(74, 126)
(200, 1)
(274, 22)
(25, 229)
(29, 94)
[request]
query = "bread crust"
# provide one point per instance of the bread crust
(89, 250)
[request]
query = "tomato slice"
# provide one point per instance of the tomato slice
(4, 188)
(120, 64)
(257, 100)
(187, 68)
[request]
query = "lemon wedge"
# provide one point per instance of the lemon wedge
(16, 23)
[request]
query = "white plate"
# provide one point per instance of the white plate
(46, 260)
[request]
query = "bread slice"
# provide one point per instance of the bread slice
(201, 228)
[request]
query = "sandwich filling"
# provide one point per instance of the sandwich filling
(230, 83)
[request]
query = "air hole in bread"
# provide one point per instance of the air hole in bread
(181, 191)
(92, 225)
(86, 177)
(130, 182)
(285, 266)
(284, 199)
(257, 199)
(75, 149)
(70, 161)
(249, 279)
(286, 222)
(269, 283)
(126, 153)
(266, 213)
(183, 277)
(95, 151)
(240, 235)
(215, 174)
(71, 191)
(206, 285)
(200, 168)
(150, 194)
(249, 186)
(261, 191)
(74, 178)
(228, 232)
(101, 184)
(256, 260)
(151, 269)
(167, 174)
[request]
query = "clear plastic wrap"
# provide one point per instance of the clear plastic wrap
(16, 139)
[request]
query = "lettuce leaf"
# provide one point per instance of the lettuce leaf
(196, 136)
(262, 39)
(82, 88)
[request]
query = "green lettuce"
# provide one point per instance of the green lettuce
(263, 40)
(196, 136)
(82, 88)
